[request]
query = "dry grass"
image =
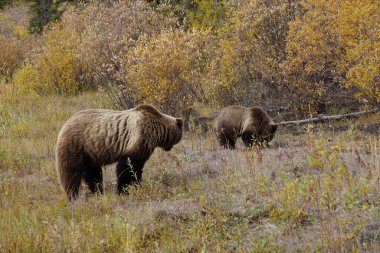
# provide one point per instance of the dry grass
(314, 192)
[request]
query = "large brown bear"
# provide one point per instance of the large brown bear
(253, 125)
(93, 138)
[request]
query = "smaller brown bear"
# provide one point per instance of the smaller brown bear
(91, 139)
(253, 125)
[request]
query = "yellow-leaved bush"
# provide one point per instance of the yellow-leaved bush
(169, 70)
(207, 14)
(86, 47)
(57, 68)
(313, 53)
(306, 55)
(334, 45)
(111, 30)
(252, 46)
(358, 24)
(12, 54)
(14, 40)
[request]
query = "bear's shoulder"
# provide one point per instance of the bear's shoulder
(149, 109)
(258, 112)
(257, 109)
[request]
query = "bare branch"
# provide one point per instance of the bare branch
(329, 118)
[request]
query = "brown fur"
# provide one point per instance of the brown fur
(93, 138)
(253, 125)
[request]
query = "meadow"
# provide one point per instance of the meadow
(314, 191)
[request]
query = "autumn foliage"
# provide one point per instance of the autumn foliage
(332, 45)
(169, 70)
(309, 56)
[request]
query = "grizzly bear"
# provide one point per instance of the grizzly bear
(93, 138)
(253, 125)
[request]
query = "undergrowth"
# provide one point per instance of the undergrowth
(314, 192)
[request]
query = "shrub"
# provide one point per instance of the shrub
(168, 70)
(110, 31)
(252, 48)
(84, 49)
(58, 68)
(331, 46)
(358, 25)
(14, 40)
(207, 14)
(12, 55)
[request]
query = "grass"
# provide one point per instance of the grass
(313, 192)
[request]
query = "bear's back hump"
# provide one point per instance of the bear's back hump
(259, 115)
(230, 117)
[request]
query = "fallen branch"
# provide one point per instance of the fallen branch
(329, 118)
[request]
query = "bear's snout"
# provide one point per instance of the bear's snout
(179, 123)
(168, 148)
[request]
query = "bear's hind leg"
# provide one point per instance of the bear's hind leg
(93, 177)
(128, 171)
(76, 170)
(71, 180)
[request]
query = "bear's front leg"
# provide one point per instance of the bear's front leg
(128, 171)
(248, 139)
(226, 141)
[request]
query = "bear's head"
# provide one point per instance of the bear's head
(259, 128)
(267, 133)
(165, 130)
(174, 132)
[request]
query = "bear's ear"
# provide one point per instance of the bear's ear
(273, 129)
(179, 123)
